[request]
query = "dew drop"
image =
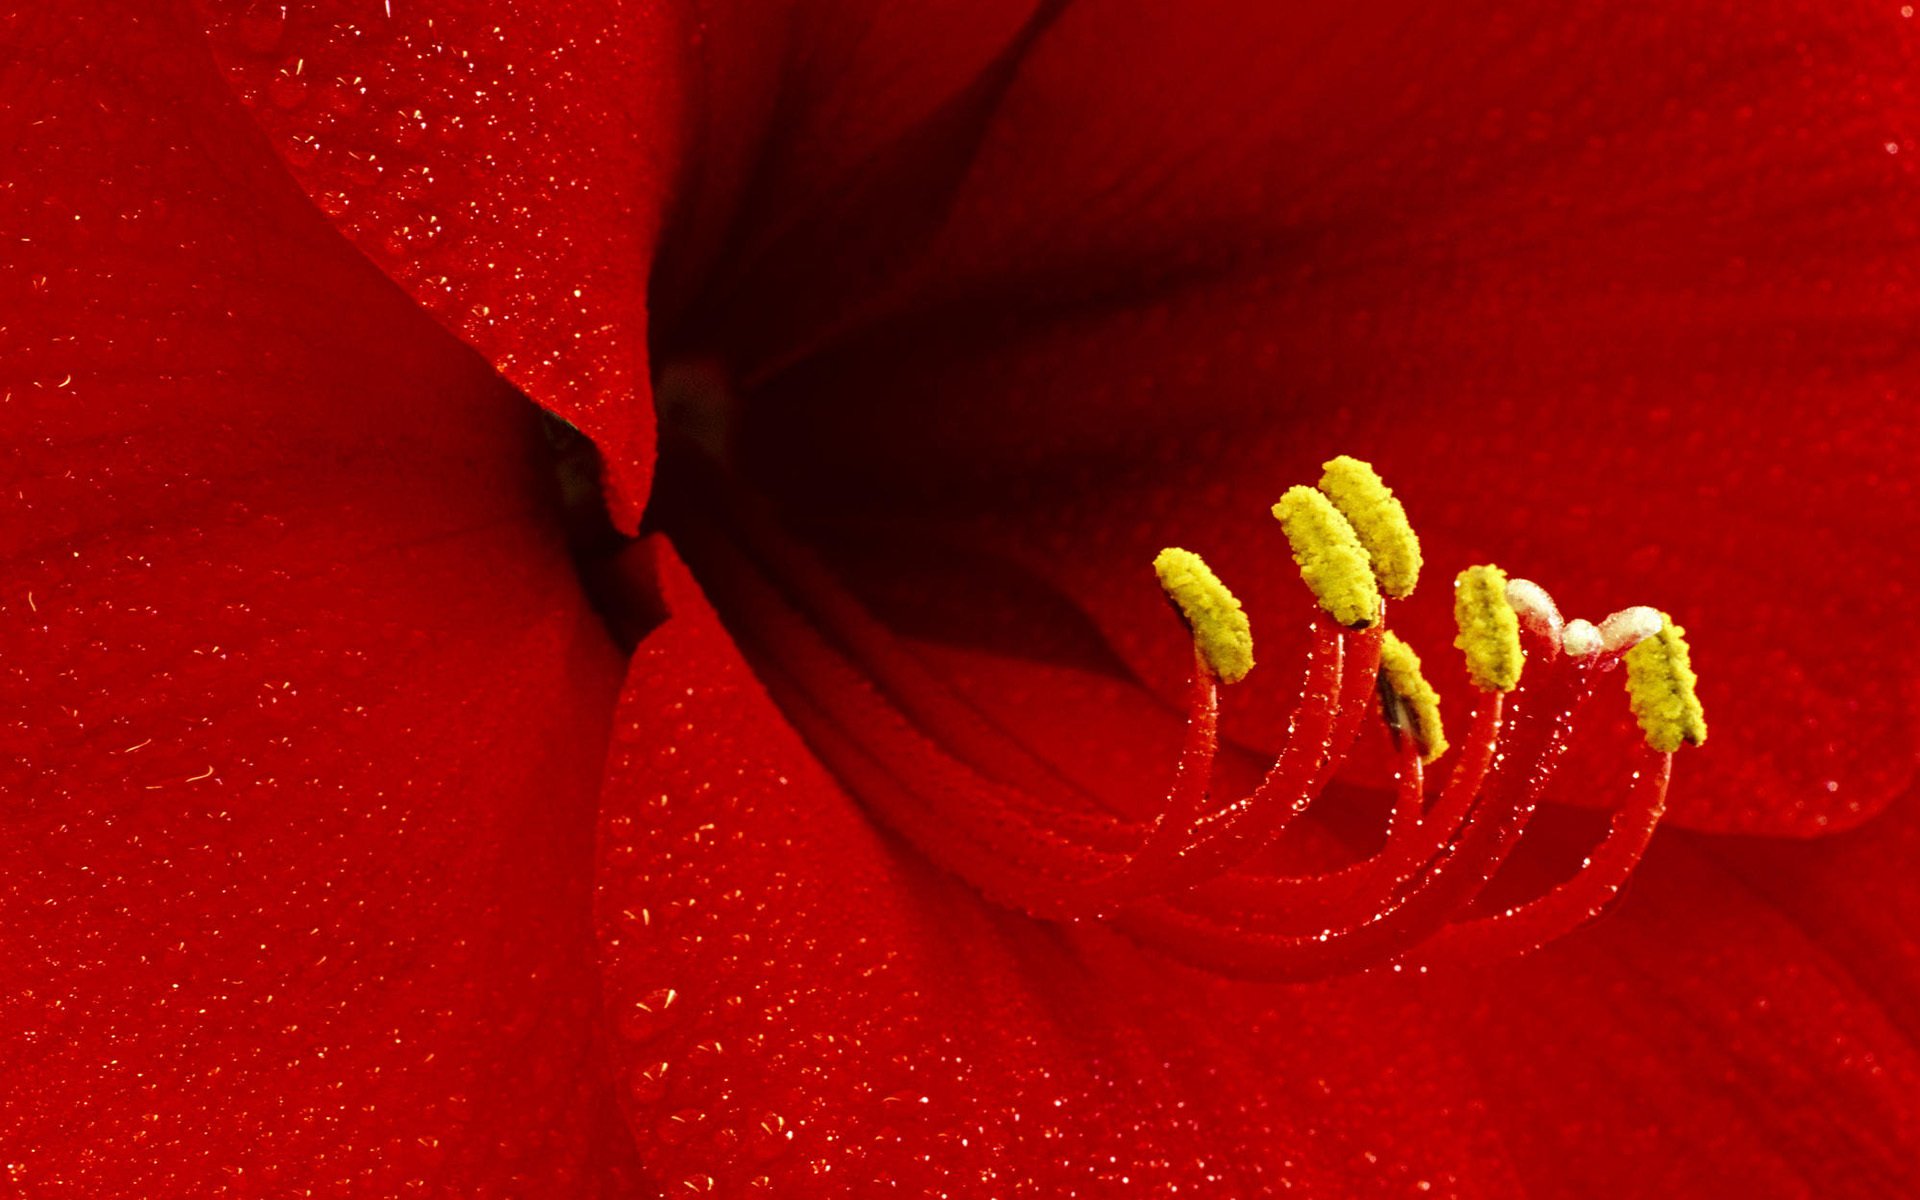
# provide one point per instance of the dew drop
(648, 1082)
(302, 149)
(287, 90)
(405, 130)
(362, 169)
(651, 1014)
(346, 96)
(676, 1129)
(769, 1136)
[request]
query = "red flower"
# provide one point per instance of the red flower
(307, 710)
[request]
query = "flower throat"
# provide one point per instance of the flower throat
(1188, 879)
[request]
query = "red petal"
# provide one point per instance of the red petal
(1744, 1025)
(1618, 298)
(301, 711)
(510, 172)
(804, 1006)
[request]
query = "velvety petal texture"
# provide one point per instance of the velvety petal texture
(1713, 1037)
(509, 168)
(301, 709)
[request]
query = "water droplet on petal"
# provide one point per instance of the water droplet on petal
(651, 1014)
(769, 1136)
(682, 1125)
(648, 1082)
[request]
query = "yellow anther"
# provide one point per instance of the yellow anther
(1377, 519)
(1220, 629)
(1489, 629)
(1660, 683)
(1411, 704)
(1332, 560)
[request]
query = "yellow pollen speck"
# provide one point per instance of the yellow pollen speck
(1489, 629)
(1220, 628)
(1332, 561)
(1377, 519)
(1660, 683)
(1410, 702)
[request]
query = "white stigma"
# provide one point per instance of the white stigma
(1582, 638)
(1628, 628)
(1536, 609)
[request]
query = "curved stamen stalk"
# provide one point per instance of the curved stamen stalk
(1417, 927)
(1527, 927)
(1660, 684)
(1234, 943)
(1186, 843)
(1484, 791)
(1356, 892)
(1326, 721)
(1490, 639)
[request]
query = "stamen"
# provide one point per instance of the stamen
(1378, 520)
(1411, 705)
(1390, 927)
(1221, 632)
(973, 794)
(1489, 629)
(1660, 686)
(1657, 674)
(1332, 561)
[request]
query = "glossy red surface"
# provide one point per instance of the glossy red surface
(338, 856)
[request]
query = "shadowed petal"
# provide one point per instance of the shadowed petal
(513, 168)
